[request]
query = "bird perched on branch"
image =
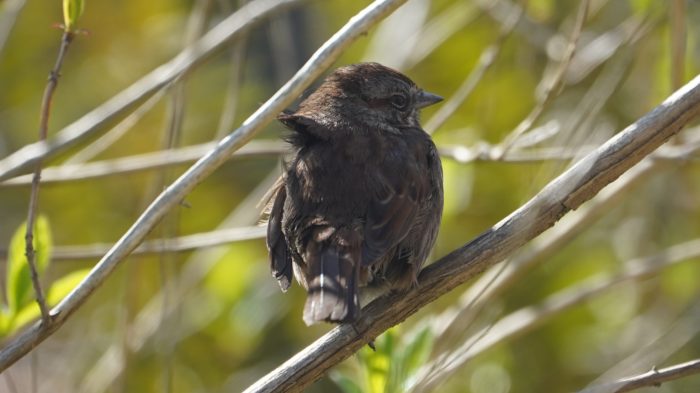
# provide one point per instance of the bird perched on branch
(360, 202)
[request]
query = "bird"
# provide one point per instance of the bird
(359, 202)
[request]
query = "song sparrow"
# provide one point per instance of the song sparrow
(360, 202)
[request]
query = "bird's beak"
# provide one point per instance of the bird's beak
(426, 99)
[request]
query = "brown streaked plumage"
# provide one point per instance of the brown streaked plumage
(360, 202)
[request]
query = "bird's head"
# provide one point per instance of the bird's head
(365, 95)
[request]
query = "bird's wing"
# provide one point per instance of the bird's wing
(391, 213)
(280, 260)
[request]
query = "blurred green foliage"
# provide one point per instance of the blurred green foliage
(21, 307)
(214, 320)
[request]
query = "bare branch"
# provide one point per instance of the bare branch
(182, 243)
(8, 16)
(90, 124)
(439, 29)
(237, 55)
(486, 60)
(314, 67)
(556, 83)
(652, 377)
(480, 151)
(141, 162)
(567, 192)
(115, 133)
(679, 39)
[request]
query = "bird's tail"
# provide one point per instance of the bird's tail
(333, 259)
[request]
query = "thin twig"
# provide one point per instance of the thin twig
(113, 135)
(655, 346)
(237, 56)
(479, 152)
(8, 17)
(537, 34)
(653, 377)
(567, 192)
(678, 34)
(10, 383)
(171, 197)
(24, 159)
(486, 60)
(178, 244)
(142, 162)
(172, 135)
(34, 196)
(439, 29)
(556, 83)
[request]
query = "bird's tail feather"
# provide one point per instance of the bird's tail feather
(332, 283)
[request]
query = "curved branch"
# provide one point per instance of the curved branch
(652, 377)
(567, 192)
(168, 199)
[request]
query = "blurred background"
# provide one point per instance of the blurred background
(611, 291)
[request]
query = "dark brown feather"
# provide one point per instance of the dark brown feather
(361, 199)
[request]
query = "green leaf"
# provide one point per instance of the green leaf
(5, 321)
(64, 285)
(644, 8)
(377, 364)
(19, 283)
(417, 351)
(72, 9)
(30, 312)
(27, 314)
(346, 384)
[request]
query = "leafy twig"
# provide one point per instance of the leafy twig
(34, 196)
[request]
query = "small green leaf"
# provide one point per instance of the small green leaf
(30, 312)
(19, 283)
(25, 315)
(645, 8)
(72, 9)
(377, 363)
(5, 321)
(347, 384)
(418, 351)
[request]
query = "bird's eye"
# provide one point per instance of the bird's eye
(399, 101)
